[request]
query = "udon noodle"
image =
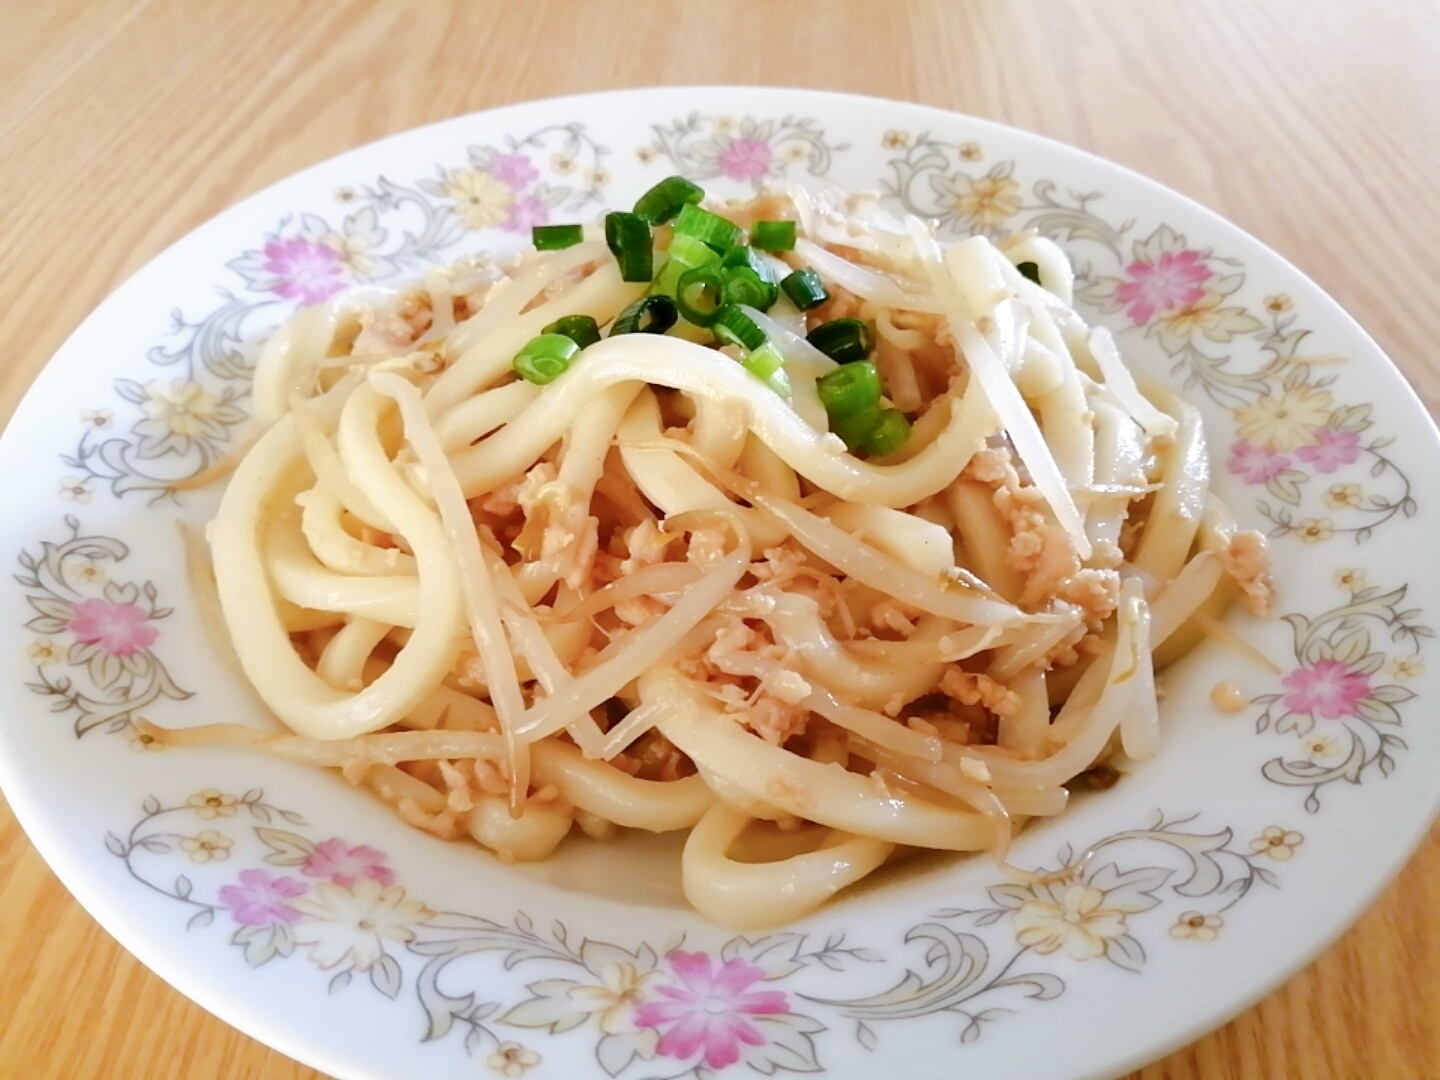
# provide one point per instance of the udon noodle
(658, 593)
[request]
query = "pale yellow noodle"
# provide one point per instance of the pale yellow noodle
(655, 594)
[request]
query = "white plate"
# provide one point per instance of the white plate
(305, 915)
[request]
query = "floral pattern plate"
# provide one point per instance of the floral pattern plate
(305, 915)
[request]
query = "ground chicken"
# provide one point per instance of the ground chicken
(1046, 557)
(970, 688)
(638, 610)
(948, 727)
(1247, 559)
(780, 564)
(393, 330)
(646, 544)
(893, 616)
(1040, 549)
(707, 547)
(992, 466)
(732, 650)
(1079, 643)
(1094, 592)
(580, 560)
(653, 757)
(774, 720)
(444, 825)
(504, 500)
(461, 796)
(529, 491)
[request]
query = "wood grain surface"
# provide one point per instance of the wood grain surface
(1313, 124)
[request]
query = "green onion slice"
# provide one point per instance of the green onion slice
(745, 286)
(699, 294)
(767, 365)
(556, 237)
(667, 198)
(805, 289)
(773, 235)
(843, 340)
(686, 253)
(545, 358)
(1030, 271)
(854, 430)
(628, 237)
(740, 255)
(850, 390)
(733, 327)
(748, 279)
(690, 252)
(648, 315)
(710, 228)
(890, 434)
(581, 329)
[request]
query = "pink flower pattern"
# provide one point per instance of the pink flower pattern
(525, 213)
(1170, 283)
(119, 629)
(1326, 688)
(514, 171)
(304, 271)
(344, 865)
(1332, 449)
(745, 159)
(1255, 464)
(707, 1014)
(260, 899)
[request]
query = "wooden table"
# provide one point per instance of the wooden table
(1314, 124)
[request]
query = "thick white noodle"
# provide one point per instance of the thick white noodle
(826, 794)
(753, 896)
(292, 353)
(1180, 502)
(605, 680)
(1140, 726)
(473, 575)
(334, 547)
(988, 371)
(601, 789)
(490, 358)
(376, 520)
(287, 684)
(683, 365)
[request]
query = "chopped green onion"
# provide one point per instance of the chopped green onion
(628, 237)
(1029, 271)
(742, 256)
(767, 365)
(648, 315)
(890, 434)
(748, 279)
(745, 286)
(805, 289)
(733, 327)
(854, 430)
(849, 390)
(686, 253)
(699, 294)
(545, 358)
(690, 253)
(556, 237)
(773, 235)
(713, 229)
(667, 198)
(843, 340)
(581, 329)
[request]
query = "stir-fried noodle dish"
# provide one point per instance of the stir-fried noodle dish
(782, 523)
